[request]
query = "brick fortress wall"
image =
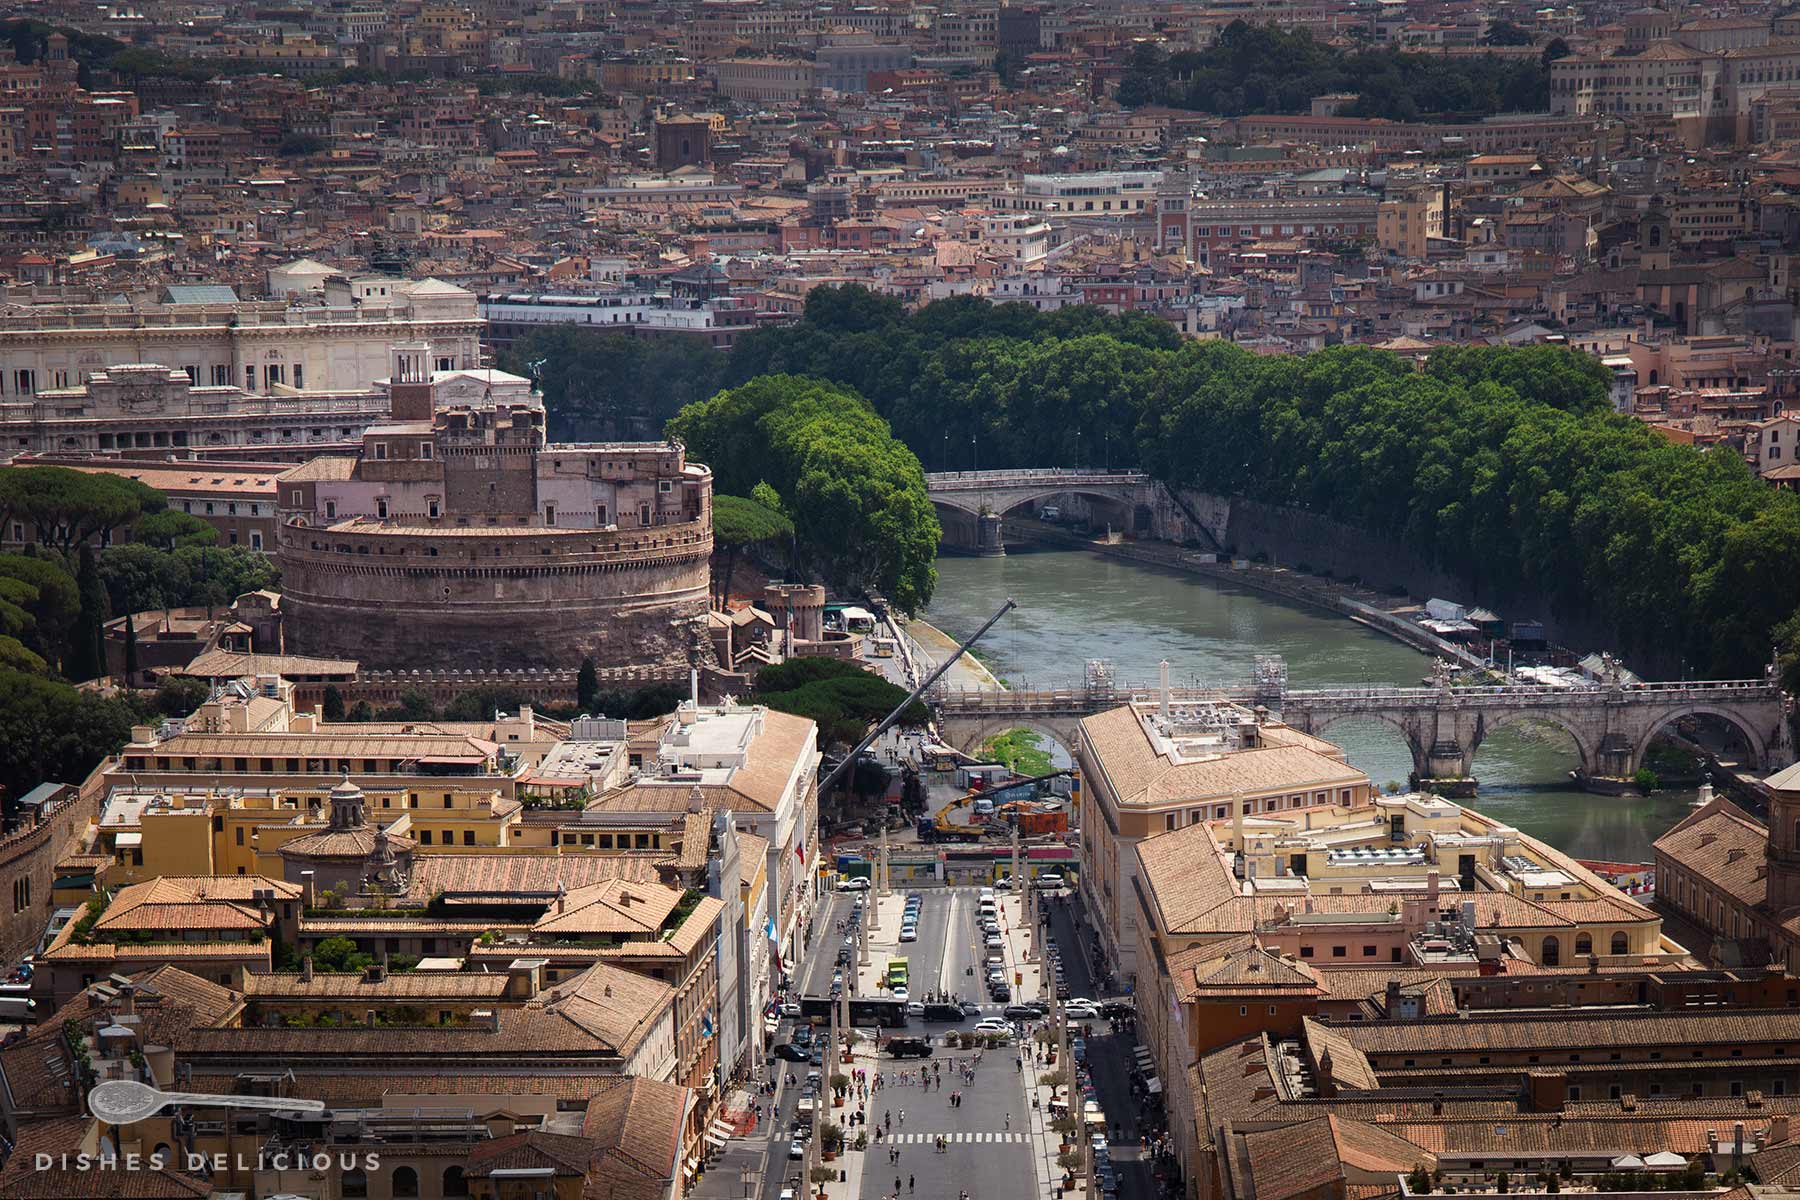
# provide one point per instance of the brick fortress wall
(498, 599)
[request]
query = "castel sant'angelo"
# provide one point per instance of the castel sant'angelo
(457, 538)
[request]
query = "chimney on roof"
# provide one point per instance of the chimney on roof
(1437, 1104)
(1393, 999)
(607, 991)
(1707, 839)
(1778, 1130)
(1327, 1079)
(1733, 854)
(1431, 887)
(375, 972)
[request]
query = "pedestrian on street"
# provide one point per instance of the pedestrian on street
(909, 1184)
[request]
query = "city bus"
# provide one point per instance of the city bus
(897, 974)
(864, 1010)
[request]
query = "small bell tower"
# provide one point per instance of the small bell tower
(411, 395)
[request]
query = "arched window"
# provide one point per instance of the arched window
(454, 1183)
(406, 1182)
(1584, 944)
(1620, 943)
(1552, 956)
(1655, 236)
(356, 1183)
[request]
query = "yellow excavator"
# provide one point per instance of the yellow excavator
(1034, 816)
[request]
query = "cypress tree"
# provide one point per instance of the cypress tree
(587, 686)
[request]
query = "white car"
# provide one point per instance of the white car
(854, 883)
(1003, 884)
(914, 1009)
(1080, 1012)
(995, 941)
(993, 1025)
(901, 993)
(797, 1149)
(908, 933)
(1050, 879)
(790, 1009)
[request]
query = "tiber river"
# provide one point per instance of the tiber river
(1075, 606)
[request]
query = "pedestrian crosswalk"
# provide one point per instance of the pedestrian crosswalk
(955, 1139)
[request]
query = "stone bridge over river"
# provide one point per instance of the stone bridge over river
(1612, 725)
(972, 504)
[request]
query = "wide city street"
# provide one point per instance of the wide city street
(920, 1143)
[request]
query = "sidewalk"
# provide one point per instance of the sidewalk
(1045, 1141)
(850, 1163)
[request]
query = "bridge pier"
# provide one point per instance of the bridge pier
(990, 542)
(973, 533)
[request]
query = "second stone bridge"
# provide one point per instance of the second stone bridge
(1612, 726)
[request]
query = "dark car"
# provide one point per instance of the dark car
(1116, 1008)
(792, 1053)
(943, 1012)
(1020, 1012)
(1001, 993)
(909, 1047)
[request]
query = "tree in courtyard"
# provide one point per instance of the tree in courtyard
(841, 697)
(332, 703)
(742, 526)
(87, 649)
(338, 955)
(53, 731)
(179, 695)
(1505, 33)
(170, 529)
(39, 603)
(587, 685)
(131, 649)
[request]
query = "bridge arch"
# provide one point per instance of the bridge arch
(1005, 500)
(968, 733)
(1585, 746)
(1754, 738)
(1317, 726)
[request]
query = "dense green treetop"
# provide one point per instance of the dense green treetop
(842, 698)
(601, 386)
(855, 495)
(1506, 466)
(1266, 69)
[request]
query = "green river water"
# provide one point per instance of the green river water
(1075, 606)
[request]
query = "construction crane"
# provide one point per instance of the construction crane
(893, 718)
(942, 828)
